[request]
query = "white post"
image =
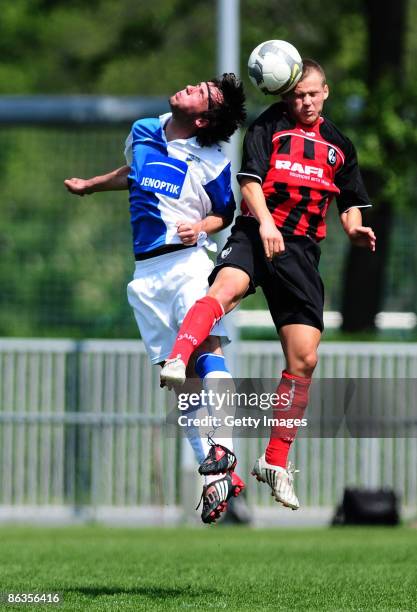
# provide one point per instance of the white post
(228, 43)
(228, 54)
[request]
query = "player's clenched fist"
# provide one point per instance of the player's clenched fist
(188, 232)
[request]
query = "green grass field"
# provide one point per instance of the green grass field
(212, 568)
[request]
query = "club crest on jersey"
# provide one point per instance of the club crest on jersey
(164, 175)
(331, 156)
(282, 164)
(225, 252)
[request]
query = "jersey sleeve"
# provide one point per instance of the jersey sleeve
(219, 190)
(348, 179)
(128, 149)
(257, 148)
(139, 144)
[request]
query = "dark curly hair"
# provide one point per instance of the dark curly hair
(225, 117)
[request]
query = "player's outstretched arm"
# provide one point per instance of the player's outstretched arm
(271, 237)
(112, 181)
(359, 234)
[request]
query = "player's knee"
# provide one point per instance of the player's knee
(304, 363)
(308, 362)
(227, 294)
(229, 287)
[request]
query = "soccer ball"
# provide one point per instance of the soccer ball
(275, 67)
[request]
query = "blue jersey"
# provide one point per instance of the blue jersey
(172, 181)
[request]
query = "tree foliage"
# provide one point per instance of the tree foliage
(153, 48)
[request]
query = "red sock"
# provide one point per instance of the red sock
(293, 393)
(197, 325)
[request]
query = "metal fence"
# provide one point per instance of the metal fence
(74, 254)
(82, 431)
(328, 465)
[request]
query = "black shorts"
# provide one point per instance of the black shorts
(291, 281)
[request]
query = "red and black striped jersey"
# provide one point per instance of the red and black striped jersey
(301, 170)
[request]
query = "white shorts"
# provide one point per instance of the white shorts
(163, 289)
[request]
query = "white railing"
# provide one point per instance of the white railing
(82, 429)
(332, 319)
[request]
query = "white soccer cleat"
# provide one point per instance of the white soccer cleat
(173, 373)
(280, 480)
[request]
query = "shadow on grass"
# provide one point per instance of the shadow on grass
(153, 592)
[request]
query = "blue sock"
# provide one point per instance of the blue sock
(212, 370)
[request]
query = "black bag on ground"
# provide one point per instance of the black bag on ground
(367, 507)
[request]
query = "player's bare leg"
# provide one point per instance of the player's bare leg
(299, 343)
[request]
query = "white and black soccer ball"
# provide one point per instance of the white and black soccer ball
(275, 67)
